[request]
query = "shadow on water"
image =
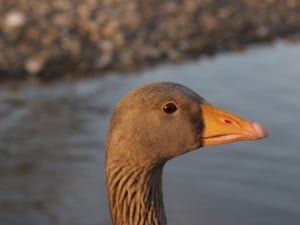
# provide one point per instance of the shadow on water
(52, 137)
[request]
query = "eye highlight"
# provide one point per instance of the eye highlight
(169, 108)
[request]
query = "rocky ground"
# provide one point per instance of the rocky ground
(50, 39)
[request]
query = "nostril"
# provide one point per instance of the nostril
(227, 121)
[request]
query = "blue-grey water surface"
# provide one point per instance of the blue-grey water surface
(52, 137)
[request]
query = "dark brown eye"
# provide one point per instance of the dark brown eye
(170, 108)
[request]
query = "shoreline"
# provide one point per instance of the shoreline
(33, 81)
(66, 39)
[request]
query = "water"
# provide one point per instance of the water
(52, 137)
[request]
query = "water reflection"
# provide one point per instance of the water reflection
(52, 137)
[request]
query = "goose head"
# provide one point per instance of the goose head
(159, 121)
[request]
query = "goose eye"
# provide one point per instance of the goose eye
(169, 108)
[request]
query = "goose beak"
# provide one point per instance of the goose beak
(221, 127)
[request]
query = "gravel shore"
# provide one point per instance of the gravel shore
(51, 39)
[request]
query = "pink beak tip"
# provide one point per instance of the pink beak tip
(260, 130)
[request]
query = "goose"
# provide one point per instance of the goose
(151, 125)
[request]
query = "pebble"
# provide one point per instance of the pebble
(14, 19)
(34, 65)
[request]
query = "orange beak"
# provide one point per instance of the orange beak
(223, 127)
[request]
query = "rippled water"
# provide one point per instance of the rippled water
(51, 145)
